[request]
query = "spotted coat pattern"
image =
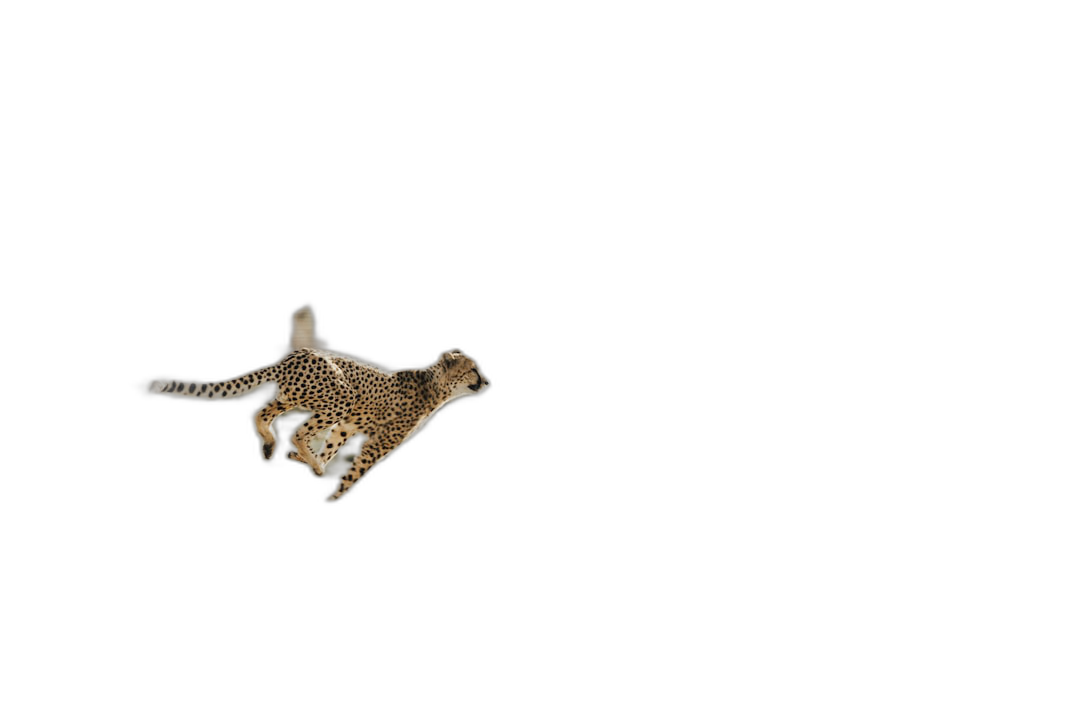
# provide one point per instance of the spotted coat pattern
(345, 397)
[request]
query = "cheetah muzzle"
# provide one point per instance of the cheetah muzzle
(480, 382)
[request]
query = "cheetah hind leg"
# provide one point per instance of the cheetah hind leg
(315, 430)
(264, 419)
(316, 444)
(341, 435)
(329, 442)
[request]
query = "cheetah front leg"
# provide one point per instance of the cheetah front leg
(375, 448)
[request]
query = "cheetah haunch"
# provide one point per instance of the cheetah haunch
(344, 397)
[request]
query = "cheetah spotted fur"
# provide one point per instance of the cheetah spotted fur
(344, 397)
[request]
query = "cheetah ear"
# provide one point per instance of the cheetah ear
(304, 330)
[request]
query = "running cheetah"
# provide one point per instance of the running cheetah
(344, 397)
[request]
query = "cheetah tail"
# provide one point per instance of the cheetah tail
(226, 388)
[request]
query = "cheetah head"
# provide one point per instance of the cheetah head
(461, 374)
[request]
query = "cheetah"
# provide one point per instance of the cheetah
(344, 397)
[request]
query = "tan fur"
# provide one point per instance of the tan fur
(344, 397)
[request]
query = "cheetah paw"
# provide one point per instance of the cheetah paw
(293, 455)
